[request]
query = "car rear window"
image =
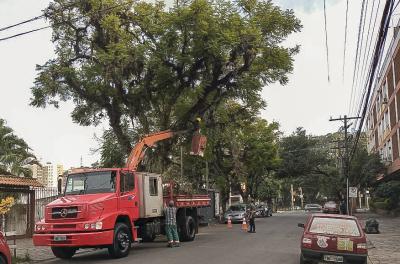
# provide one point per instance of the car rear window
(334, 226)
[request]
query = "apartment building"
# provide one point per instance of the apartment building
(383, 116)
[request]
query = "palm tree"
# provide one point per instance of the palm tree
(15, 153)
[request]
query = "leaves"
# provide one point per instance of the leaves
(156, 68)
(6, 204)
(15, 153)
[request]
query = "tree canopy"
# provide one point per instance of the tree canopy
(154, 68)
(14, 152)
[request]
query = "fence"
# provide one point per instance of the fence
(29, 207)
(43, 196)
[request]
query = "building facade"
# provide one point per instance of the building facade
(383, 116)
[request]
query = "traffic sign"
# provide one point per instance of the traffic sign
(353, 192)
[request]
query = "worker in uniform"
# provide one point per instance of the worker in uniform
(170, 225)
(251, 215)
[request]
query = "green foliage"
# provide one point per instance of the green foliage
(15, 153)
(157, 68)
(389, 192)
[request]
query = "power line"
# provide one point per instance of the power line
(345, 38)
(326, 41)
(24, 33)
(368, 56)
(22, 22)
(357, 50)
(42, 28)
(378, 51)
(361, 42)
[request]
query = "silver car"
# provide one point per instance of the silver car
(314, 208)
(236, 213)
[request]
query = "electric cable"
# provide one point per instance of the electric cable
(345, 38)
(326, 41)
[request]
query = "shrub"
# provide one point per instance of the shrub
(387, 195)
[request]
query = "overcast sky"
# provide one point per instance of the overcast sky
(308, 100)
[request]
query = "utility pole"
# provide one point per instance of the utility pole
(291, 195)
(207, 183)
(345, 164)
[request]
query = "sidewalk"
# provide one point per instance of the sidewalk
(384, 248)
(26, 250)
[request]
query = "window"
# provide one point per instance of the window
(334, 226)
(127, 182)
(153, 186)
(89, 183)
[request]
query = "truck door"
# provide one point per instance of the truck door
(128, 195)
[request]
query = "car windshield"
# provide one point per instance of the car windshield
(334, 226)
(312, 205)
(92, 182)
(237, 208)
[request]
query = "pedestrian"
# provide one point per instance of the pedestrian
(170, 225)
(343, 207)
(251, 214)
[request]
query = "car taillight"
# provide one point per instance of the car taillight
(306, 242)
(362, 247)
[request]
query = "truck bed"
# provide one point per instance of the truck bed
(189, 200)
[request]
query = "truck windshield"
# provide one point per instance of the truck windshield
(92, 182)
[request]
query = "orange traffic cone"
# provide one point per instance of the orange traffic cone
(229, 222)
(244, 225)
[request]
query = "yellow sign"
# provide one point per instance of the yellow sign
(345, 244)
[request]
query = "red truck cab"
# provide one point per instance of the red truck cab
(111, 208)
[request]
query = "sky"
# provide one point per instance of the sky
(308, 100)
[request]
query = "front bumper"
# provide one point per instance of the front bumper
(235, 219)
(86, 239)
(314, 256)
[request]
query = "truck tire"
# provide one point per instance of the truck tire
(63, 252)
(187, 229)
(121, 242)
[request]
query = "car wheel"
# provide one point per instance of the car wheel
(122, 241)
(63, 252)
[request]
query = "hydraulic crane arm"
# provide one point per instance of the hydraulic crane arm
(137, 153)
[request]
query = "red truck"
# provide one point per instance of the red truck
(112, 208)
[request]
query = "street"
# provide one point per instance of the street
(276, 241)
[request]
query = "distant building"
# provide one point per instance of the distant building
(51, 173)
(383, 116)
(37, 172)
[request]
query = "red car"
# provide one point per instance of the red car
(331, 207)
(5, 255)
(333, 239)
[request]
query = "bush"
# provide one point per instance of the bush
(387, 196)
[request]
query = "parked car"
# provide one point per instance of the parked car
(333, 239)
(5, 255)
(331, 207)
(263, 211)
(236, 213)
(315, 208)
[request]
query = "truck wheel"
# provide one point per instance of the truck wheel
(122, 241)
(63, 252)
(188, 229)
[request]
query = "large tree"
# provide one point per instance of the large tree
(15, 153)
(154, 68)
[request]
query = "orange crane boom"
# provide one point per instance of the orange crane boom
(137, 153)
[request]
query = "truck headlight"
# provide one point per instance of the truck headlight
(86, 226)
(99, 225)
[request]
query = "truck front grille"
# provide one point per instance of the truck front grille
(64, 212)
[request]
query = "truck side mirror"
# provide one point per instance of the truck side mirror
(301, 225)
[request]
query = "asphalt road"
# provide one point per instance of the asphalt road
(276, 241)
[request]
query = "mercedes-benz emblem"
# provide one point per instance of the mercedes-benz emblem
(63, 212)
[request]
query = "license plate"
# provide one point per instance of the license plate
(60, 238)
(333, 258)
